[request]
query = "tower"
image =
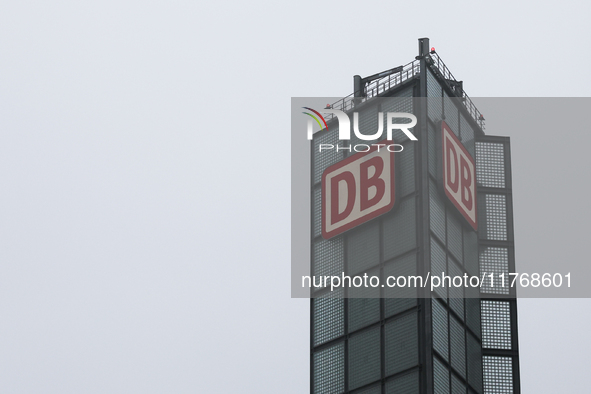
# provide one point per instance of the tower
(412, 339)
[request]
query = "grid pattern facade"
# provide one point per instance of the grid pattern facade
(401, 341)
(407, 384)
(400, 230)
(327, 258)
(364, 358)
(328, 319)
(498, 375)
(494, 260)
(364, 311)
(496, 325)
(491, 169)
(327, 158)
(374, 389)
(495, 217)
(317, 211)
(496, 256)
(329, 370)
(375, 344)
(453, 246)
(440, 377)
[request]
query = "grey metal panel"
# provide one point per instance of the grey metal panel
(454, 235)
(364, 311)
(496, 324)
(317, 211)
(406, 106)
(494, 260)
(440, 377)
(456, 294)
(494, 225)
(440, 331)
(467, 135)
(406, 160)
(498, 375)
(399, 299)
(451, 113)
(457, 346)
(329, 370)
(401, 344)
(328, 318)
(473, 310)
(490, 169)
(405, 384)
(457, 387)
(438, 266)
(436, 211)
(474, 358)
(375, 389)
(364, 358)
(434, 92)
(363, 248)
(471, 251)
(328, 256)
(328, 157)
(400, 230)
(432, 149)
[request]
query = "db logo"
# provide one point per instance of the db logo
(459, 175)
(357, 189)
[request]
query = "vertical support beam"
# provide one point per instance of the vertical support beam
(510, 298)
(311, 175)
(382, 306)
(346, 315)
(423, 49)
(358, 88)
(424, 255)
(511, 237)
(515, 347)
(311, 345)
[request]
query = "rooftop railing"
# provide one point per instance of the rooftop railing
(380, 86)
(451, 81)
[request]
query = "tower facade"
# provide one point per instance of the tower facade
(417, 339)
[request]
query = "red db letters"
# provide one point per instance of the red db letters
(357, 189)
(459, 175)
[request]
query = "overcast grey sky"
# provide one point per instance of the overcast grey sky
(144, 158)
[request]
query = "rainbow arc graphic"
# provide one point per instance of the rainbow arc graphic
(315, 118)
